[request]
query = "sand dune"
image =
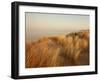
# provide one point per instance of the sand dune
(63, 50)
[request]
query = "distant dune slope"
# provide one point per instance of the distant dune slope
(64, 50)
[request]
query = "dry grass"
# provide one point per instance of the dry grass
(65, 50)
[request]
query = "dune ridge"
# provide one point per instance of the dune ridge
(63, 50)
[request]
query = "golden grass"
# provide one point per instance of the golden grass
(64, 50)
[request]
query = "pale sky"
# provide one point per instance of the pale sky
(43, 24)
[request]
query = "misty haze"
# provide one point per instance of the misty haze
(42, 24)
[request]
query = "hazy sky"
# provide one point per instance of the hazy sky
(43, 24)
